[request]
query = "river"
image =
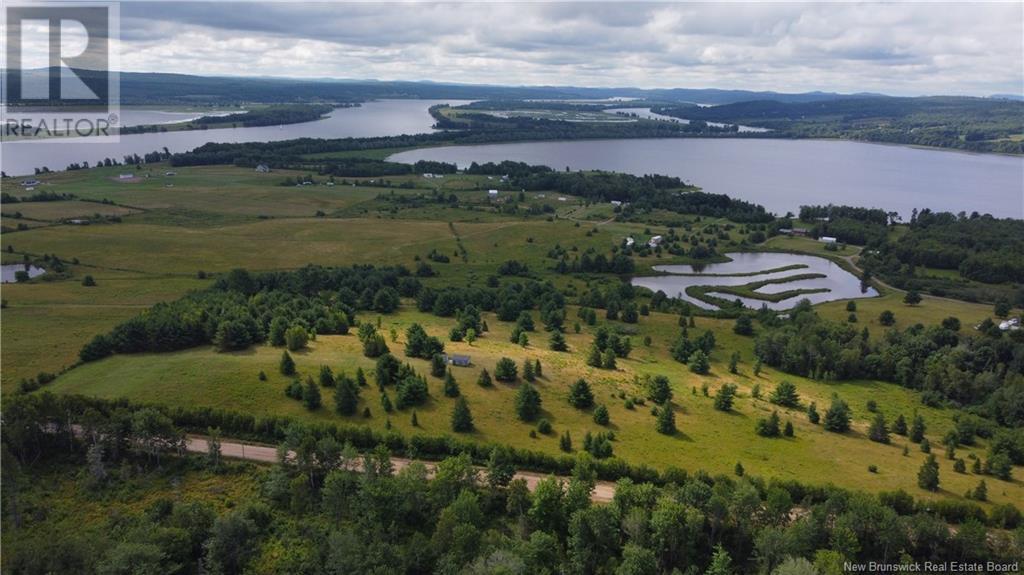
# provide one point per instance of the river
(378, 118)
(782, 175)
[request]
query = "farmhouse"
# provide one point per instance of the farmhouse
(793, 231)
(30, 183)
(126, 176)
(458, 360)
(654, 242)
(616, 203)
(1012, 324)
(629, 242)
(492, 193)
(262, 168)
(827, 239)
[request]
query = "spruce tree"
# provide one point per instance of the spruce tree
(788, 430)
(326, 376)
(785, 395)
(812, 413)
(899, 427)
(879, 431)
(699, 363)
(462, 419)
(287, 365)
(658, 389)
(345, 396)
(666, 422)
(601, 415)
(528, 371)
(837, 418)
(724, 397)
(565, 442)
(557, 342)
(311, 395)
(527, 403)
(538, 371)
(485, 379)
(917, 429)
(928, 474)
(580, 394)
(451, 389)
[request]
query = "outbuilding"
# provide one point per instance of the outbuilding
(458, 360)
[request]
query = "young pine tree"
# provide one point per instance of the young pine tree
(462, 419)
(451, 388)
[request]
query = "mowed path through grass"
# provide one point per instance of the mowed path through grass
(708, 439)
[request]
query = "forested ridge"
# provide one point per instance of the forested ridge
(976, 124)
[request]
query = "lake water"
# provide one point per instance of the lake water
(648, 114)
(380, 118)
(840, 283)
(8, 272)
(782, 175)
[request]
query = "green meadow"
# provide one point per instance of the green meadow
(214, 219)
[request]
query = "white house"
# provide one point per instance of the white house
(30, 183)
(629, 242)
(827, 239)
(428, 175)
(616, 203)
(492, 193)
(654, 242)
(562, 198)
(126, 176)
(262, 168)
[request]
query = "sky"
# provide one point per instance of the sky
(894, 48)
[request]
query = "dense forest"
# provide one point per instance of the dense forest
(337, 505)
(976, 124)
(982, 370)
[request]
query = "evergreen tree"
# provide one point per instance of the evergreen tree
(451, 389)
(699, 362)
(537, 370)
(788, 430)
(837, 418)
(744, 325)
(326, 376)
(385, 403)
(608, 361)
(565, 442)
(360, 377)
(484, 380)
(721, 562)
(658, 389)
(346, 396)
(738, 470)
(524, 340)
(580, 394)
(528, 370)
(414, 420)
(785, 395)
(311, 395)
(734, 361)
(527, 402)
(899, 427)
(666, 422)
(724, 397)
(601, 415)
(879, 431)
(287, 365)
(960, 466)
(917, 429)
(506, 370)
(557, 342)
(594, 358)
(438, 365)
(462, 419)
(926, 446)
(770, 427)
(812, 413)
(980, 492)
(928, 475)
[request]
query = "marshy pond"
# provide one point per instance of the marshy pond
(785, 277)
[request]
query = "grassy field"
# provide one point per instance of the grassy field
(207, 378)
(218, 218)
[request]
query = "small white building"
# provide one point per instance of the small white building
(616, 203)
(629, 242)
(30, 183)
(263, 168)
(170, 174)
(654, 242)
(428, 176)
(1011, 324)
(827, 239)
(562, 198)
(126, 176)
(492, 193)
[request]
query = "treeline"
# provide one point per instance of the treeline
(976, 124)
(333, 509)
(272, 115)
(367, 167)
(983, 372)
(243, 309)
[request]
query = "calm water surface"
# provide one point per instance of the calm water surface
(782, 175)
(8, 272)
(840, 283)
(380, 118)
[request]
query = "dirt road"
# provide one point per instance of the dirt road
(603, 491)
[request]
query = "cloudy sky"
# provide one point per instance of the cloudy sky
(897, 48)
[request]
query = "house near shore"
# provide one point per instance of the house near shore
(457, 360)
(30, 183)
(654, 242)
(262, 168)
(793, 231)
(126, 176)
(629, 242)
(492, 193)
(616, 203)
(827, 239)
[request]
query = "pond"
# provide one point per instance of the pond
(10, 272)
(832, 283)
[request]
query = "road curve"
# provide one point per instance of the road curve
(603, 490)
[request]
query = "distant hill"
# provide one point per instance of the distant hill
(152, 88)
